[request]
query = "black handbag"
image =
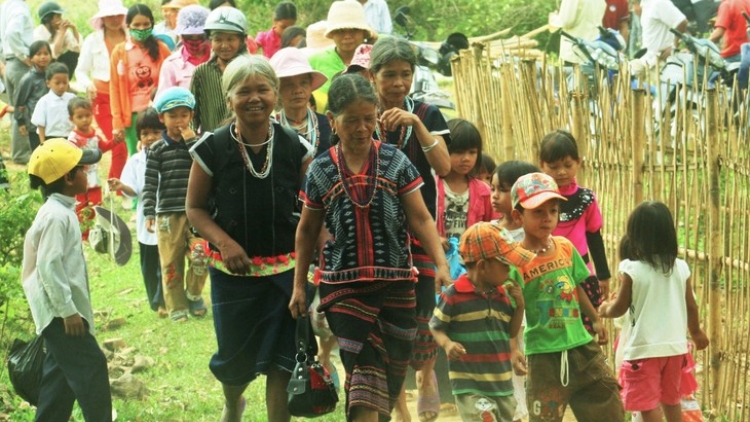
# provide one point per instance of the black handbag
(311, 390)
(25, 367)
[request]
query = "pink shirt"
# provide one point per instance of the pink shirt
(585, 217)
(480, 204)
(175, 71)
(269, 41)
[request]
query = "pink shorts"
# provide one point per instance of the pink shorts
(647, 383)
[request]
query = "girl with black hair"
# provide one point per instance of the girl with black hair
(656, 291)
(134, 73)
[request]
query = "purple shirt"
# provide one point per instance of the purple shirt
(579, 215)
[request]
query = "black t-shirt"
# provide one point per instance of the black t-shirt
(434, 122)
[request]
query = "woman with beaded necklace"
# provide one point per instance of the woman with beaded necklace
(298, 80)
(365, 192)
(242, 199)
(419, 131)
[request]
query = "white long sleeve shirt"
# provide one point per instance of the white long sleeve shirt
(134, 176)
(16, 29)
(93, 62)
(54, 270)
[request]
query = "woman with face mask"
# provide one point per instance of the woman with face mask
(177, 69)
(93, 71)
(134, 73)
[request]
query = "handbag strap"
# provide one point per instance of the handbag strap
(307, 347)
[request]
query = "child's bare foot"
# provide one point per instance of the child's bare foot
(401, 409)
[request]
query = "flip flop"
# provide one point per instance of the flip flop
(429, 404)
(197, 308)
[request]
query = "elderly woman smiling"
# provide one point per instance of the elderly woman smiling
(242, 199)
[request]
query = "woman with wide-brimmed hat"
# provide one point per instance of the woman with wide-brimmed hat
(93, 69)
(297, 81)
(348, 28)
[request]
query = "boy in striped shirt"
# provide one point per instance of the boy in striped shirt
(475, 319)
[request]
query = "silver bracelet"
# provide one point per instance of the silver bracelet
(430, 147)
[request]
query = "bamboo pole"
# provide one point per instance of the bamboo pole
(714, 244)
(638, 130)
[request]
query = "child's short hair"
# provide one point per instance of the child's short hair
(148, 119)
(290, 34)
(79, 102)
(172, 98)
(488, 163)
(36, 46)
(56, 159)
(485, 240)
(56, 68)
(532, 190)
(285, 10)
(508, 172)
(557, 145)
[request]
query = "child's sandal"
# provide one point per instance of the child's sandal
(178, 316)
(198, 308)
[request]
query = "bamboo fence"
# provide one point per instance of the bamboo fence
(694, 159)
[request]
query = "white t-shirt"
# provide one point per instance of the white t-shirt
(456, 211)
(658, 312)
(134, 176)
(657, 18)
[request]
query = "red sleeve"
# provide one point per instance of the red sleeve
(724, 16)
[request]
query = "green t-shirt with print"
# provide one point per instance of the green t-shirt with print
(553, 315)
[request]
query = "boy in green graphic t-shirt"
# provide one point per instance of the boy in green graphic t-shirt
(565, 364)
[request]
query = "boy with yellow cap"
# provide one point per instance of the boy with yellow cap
(57, 288)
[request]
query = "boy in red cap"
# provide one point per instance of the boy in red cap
(475, 319)
(565, 364)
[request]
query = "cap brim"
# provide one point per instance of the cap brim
(540, 198)
(90, 156)
(175, 104)
(353, 68)
(518, 257)
(370, 31)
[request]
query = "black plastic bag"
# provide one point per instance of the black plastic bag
(25, 366)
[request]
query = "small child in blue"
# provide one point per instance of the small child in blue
(57, 288)
(164, 193)
(475, 319)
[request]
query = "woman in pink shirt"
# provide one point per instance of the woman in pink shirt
(284, 16)
(177, 69)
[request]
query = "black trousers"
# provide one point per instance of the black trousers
(74, 369)
(151, 271)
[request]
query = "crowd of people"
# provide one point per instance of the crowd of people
(293, 167)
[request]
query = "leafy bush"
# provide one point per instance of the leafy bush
(17, 210)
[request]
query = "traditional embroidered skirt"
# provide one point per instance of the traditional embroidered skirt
(375, 324)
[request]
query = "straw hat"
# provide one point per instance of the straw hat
(347, 14)
(316, 39)
(179, 4)
(107, 8)
(288, 62)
